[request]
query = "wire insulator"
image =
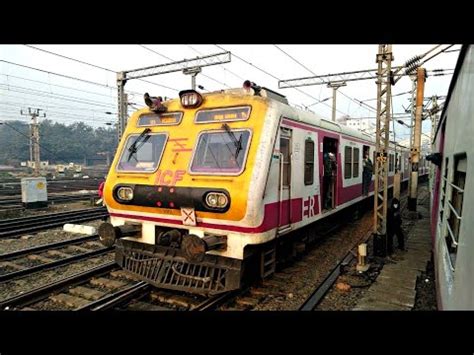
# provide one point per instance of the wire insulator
(412, 64)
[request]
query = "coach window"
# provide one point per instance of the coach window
(308, 162)
(355, 168)
(347, 162)
(455, 205)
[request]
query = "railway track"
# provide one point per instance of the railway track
(16, 203)
(320, 291)
(106, 287)
(12, 189)
(44, 257)
(20, 226)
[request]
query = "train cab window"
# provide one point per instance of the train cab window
(142, 153)
(355, 167)
(221, 152)
(308, 162)
(455, 204)
(347, 162)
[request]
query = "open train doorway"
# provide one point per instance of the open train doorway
(329, 173)
(367, 171)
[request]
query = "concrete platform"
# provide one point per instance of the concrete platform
(395, 287)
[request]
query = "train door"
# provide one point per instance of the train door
(285, 178)
(330, 169)
(367, 170)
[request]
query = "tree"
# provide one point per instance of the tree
(59, 143)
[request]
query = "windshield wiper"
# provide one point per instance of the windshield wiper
(145, 135)
(237, 142)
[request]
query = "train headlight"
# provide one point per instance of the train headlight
(125, 193)
(216, 200)
(190, 98)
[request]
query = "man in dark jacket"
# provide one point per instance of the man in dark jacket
(367, 174)
(394, 226)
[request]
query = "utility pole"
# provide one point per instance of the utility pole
(187, 66)
(384, 96)
(334, 87)
(34, 138)
(434, 116)
(415, 148)
(412, 118)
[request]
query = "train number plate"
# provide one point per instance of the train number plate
(188, 216)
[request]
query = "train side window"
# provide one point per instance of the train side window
(347, 162)
(443, 190)
(355, 167)
(308, 162)
(455, 203)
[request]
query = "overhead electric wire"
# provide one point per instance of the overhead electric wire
(24, 135)
(95, 66)
(53, 96)
(223, 68)
(302, 65)
(273, 76)
(57, 74)
(48, 104)
(69, 114)
(170, 59)
(61, 86)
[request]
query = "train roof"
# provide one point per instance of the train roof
(457, 69)
(298, 114)
(308, 117)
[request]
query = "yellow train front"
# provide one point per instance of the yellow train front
(180, 190)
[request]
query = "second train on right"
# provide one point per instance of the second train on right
(452, 192)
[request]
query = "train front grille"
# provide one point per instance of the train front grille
(167, 268)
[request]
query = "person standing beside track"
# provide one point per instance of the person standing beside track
(394, 226)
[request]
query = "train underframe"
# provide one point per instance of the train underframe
(169, 267)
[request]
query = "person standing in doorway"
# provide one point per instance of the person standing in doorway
(367, 174)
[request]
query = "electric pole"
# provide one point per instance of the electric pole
(415, 148)
(187, 66)
(34, 138)
(412, 120)
(334, 87)
(384, 98)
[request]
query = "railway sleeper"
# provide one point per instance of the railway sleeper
(87, 293)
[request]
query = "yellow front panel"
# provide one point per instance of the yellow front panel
(176, 159)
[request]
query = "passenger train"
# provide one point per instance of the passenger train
(204, 183)
(452, 193)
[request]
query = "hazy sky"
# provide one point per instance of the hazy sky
(68, 100)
